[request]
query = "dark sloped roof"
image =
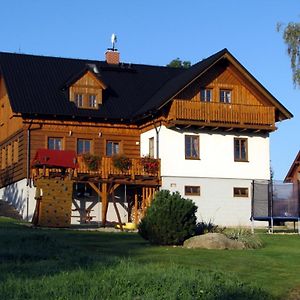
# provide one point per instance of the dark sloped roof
(38, 85)
(175, 84)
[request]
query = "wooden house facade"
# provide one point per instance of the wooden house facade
(203, 127)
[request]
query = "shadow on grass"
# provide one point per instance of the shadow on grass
(32, 252)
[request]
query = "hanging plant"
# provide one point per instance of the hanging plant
(122, 162)
(92, 161)
(150, 164)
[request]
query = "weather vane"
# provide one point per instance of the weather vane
(113, 41)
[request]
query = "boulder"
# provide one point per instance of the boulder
(212, 241)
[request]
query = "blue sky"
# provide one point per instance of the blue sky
(155, 32)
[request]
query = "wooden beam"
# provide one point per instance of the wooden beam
(135, 207)
(104, 203)
(116, 208)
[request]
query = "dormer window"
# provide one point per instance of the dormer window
(78, 99)
(93, 101)
(86, 92)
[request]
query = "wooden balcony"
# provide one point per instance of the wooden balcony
(223, 114)
(138, 169)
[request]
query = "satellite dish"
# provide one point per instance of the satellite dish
(113, 40)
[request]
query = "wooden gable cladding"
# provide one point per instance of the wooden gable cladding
(247, 108)
(9, 122)
(87, 86)
(224, 77)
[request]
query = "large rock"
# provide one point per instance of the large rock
(212, 241)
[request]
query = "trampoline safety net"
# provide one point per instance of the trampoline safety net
(275, 200)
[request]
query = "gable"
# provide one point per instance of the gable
(87, 91)
(225, 77)
(206, 71)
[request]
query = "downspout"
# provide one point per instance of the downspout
(28, 183)
(157, 130)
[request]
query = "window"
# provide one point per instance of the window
(240, 149)
(190, 190)
(93, 101)
(206, 95)
(83, 146)
(112, 148)
(54, 143)
(151, 147)
(192, 147)
(240, 192)
(225, 96)
(78, 98)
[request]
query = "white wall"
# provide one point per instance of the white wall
(216, 172)
(216, 155)
(20, 196)
(216, 202)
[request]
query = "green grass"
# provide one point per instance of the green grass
(67, 264)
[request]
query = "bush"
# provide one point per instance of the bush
(206, 227)
(251, 241)
(170, 219)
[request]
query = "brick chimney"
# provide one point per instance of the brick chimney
(112, 56)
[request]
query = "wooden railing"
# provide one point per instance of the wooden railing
(106, 169)
(222, 113)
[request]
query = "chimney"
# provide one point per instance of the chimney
(112, 56)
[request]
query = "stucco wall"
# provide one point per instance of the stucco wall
(216, 202)
(216, 155)
(20, 196)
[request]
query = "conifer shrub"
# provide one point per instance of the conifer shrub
(170, 219)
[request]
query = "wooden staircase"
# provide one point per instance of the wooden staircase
(7, 210)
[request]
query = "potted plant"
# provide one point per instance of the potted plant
(92, 161)
(150, 164)
(122, 162)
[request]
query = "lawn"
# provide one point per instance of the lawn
(69, 264)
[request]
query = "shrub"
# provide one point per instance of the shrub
(169, 220)
(251, 241)
(122, 162)
(206, 227)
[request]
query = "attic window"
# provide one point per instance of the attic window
(86, 92)
(92, 100)
(78, 99)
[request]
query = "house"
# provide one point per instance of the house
(293, 174)
(208, 127)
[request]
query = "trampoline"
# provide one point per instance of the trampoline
(275, 201)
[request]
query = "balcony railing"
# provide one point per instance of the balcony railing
(224, 113)
(139, 167)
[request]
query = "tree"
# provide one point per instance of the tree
(291, 37)
(178, 63)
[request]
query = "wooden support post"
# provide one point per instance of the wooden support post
(104, 203)
(116, 209)
(143, 201)
(135, 207)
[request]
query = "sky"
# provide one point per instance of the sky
(157, 31)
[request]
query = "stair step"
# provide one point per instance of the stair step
(7, 210)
